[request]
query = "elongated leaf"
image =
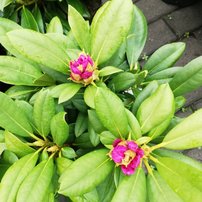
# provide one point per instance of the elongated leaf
(187, 134)
(44, 80)
(80, 29)
(39, 48)
(27, 20)
(14, 177)
(183, 179)
(55, 26)
(94, 137)
(4, 3)
(62, 164)
(156, 109)
(85, 173)
(107, 34)
(137, 38)
(17, 72)
(38, 17)
(17, 146)
(81, 124)
(159, 190)
(188, 79)
(164, 57)
(89, 96)
(12, 118)
(132, 188)
(111, 112)
(44, 110)
(107, 139)
(37, 181)
(106, 71)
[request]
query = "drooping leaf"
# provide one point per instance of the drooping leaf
(55, 26)
(38, 17)
(107, 34)
(156, 108)
(111, 112)
(12, 118)
(14, 177)
(85, 173)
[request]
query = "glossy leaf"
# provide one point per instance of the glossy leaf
(164, 57)
(12, 118)
(94, 137)
(137, 38)
(107, 34)
(80, 29)
(188, 79)
(187, 134)
(38, 17)
(16, 145)
(39, 48)
(43, 112)
(59, 129)
(55, 26)
(107, 138)
(109, 70)
(14, 177)
(4, 3)
(85, 173)
(89, 96)
(68, 152)
(37, 181)
(156, 108)
(62, 164)
(132, 188)
(9, 157)
(17, 72)
(81, 124)
(111, 112)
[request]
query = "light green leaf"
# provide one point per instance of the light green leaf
(62, 164)
(55, 26)
(94, 137)
(80, 29)
(137, 38)
(132, 188)
(16, 145)
(164, 57)
(12, 118)
(68, 152)
(107, 139)
(39, 48)
(38, 17)
(106, 71)
(4, 3)
(59, 129)
(81, 124)
(187, 134)
(43, 112)
(37, 181)
(107, 34)
(85, 173)
(89, 96)
(188, 79)
(44, 80)
(17, 72)
(14, 177)
(111, 112)
(159, 190)
(156, 108)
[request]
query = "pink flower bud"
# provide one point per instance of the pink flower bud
(83, 70)
(126, 154)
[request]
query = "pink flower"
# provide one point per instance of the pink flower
(83, 70)
(126, 154)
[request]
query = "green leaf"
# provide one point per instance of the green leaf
(109, 70)
(59, 129)
(188, 79)
(132, 188)
(89, 96)
(39, 48)
(94, 137)
(159, 190)
(37, 181)
(183, 179)
(12, 118)
(43, 112)
(55, 26)
(38, 17)
(111, 112)
(17, 146)
(107, 34)
(68, 152)
(44, 80)
(80, 29)
(14, 177)
(2, 138)
(83, 141)
(179, 102)
(9, 157)
(164, 57)
(187, 134)
(81, 124)
(70, 89)
(156, 108)
(4, 3)
(107, 138)
(144, 94)
(85, 173)
(27, 20)
(137, 38)
(62, 164)
(18, 72)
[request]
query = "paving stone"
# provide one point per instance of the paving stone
(193, 97)
(154, 9)
(186, 19)
(194, 153)
(159, 34)
(184, 114)
(197, 105)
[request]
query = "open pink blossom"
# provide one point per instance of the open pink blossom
(83, 70)
(126, 154)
